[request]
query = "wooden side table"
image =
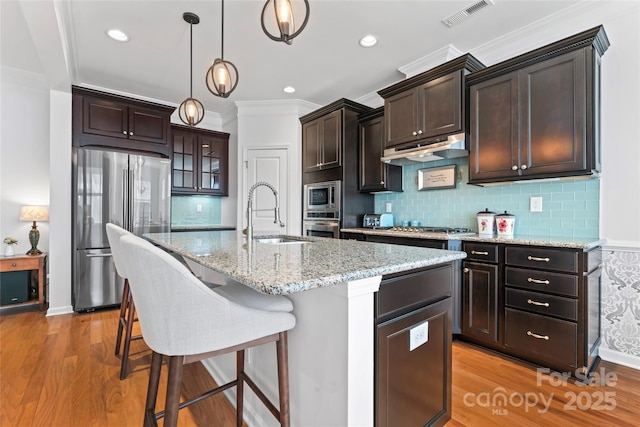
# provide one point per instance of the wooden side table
(29, 262)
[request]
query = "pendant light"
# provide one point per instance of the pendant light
(222, 77)
(284, 20)
(191, 111)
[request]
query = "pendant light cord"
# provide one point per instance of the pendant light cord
(191, 60)
(222, 27)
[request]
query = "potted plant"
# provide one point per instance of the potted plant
(9, 241)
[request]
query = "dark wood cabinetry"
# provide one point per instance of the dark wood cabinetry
(429, 106)
(480, 292)
(102, 119)
(540, 304)
(376, 175)
(537, 115)
(321, 143)
(408, 390)
(200, 161)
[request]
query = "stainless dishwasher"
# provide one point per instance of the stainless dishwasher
(413, 334)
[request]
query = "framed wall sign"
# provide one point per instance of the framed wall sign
(437, 178)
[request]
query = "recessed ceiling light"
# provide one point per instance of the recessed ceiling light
(117, 35)
(368, 41)
(289, 89)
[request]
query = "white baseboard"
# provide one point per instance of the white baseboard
(620, 358)
(251, 418)
(56, 311)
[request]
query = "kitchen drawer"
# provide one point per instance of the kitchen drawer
(486, 252)
(402, 294)
(21, 264)
(542, 281)
(544, 258)
(551, 305)
(550, 339)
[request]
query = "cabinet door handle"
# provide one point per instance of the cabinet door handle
(532, 302)
(540, 282)
(414, 133)
(479, 253)
(419, 131)
(523, 167)
(514, 168)
(124, 132)
(466, 270)
(540, 337)
(130, 133)
(381, 182)
(533, 258)
(14, 265)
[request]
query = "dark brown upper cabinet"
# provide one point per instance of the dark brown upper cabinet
(375, 175)
(321, 143)
(103, 119)
(200, 160)
(428, 107)
(537, 115)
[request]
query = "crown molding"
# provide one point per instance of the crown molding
(438, 57)
(279, 107)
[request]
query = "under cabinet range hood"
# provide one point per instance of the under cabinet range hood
(450, 148)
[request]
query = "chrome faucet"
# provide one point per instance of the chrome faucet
(250, 208)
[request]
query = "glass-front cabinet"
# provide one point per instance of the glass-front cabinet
(200, 161)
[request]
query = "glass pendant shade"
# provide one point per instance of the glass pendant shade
(191, 111)
(222, 78)
(284, 20)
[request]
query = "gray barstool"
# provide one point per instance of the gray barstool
(181, 318)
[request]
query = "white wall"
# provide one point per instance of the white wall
(24, 154)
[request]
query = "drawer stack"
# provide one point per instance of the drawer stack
(546, 299)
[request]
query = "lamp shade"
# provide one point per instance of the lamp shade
(34, 213)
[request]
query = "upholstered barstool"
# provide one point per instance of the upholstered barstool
(181, 318)
(127, 306)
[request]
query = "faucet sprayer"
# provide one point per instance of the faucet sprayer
(250, 208)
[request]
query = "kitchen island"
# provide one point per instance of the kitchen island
(333, 285)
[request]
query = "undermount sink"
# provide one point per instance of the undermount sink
(278, 240)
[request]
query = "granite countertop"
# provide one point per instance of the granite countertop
(281, 269)
(583, 243)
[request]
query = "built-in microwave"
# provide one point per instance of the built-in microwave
(322, 197)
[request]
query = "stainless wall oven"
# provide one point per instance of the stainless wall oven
(321, 216)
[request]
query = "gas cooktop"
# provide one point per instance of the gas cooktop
(449, 231)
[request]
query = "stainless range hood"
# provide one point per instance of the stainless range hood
(452, 147)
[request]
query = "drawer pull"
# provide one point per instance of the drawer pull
(532, 302)
(14, 265)
(479, 253)
(534, 258)
(466, 270)
(540, 337)
(540, 282)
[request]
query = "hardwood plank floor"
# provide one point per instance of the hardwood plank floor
(62, 371)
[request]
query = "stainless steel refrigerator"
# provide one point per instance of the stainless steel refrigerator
(129, 190)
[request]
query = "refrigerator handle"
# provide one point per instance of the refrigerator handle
(131, 197)
(98, 255)
(125, 197)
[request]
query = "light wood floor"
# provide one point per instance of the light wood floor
(61, 371)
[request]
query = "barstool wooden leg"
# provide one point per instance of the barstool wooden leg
(239, 386)
(127, 338)
(123, 311)
(283, 378)
(174, 385)
(152, 390)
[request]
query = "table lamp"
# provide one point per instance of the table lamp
(34, 213)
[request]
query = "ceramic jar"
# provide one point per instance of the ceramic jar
(505, 223)
(486, 222)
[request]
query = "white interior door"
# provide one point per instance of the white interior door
(268, 165)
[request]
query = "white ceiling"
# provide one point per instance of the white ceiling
(324, 63)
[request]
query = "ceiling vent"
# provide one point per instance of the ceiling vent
(458, 17)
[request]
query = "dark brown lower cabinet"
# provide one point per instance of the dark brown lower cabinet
(480, 301)
(413, 383)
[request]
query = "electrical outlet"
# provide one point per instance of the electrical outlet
(388, 207)
(535, 204)
(418, 335)
(198, 207)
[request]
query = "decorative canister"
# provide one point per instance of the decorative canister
(485, 222)
(505, 223)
